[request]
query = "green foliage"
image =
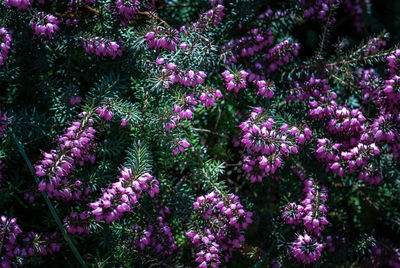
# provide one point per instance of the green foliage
(41, 77)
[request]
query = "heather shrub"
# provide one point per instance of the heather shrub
(168, 133)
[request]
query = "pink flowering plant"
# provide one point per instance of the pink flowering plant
(204, 133)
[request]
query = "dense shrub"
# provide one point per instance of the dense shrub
(247, 133)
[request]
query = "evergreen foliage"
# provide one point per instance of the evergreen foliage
(172, 133)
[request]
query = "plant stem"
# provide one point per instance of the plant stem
(51, 207)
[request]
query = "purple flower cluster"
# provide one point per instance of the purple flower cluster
(254, 49)
(306, 249)
(105, 113)
(45, 24)
(381, 254)
(235, 81)
(161, 37)
(346, 122)
(390, 96)
(313, 88)
(15, 247)
(74, 100)
(3, 123)
(356, 158)
(30, 197)
(318, 8)
(354, 7)
(35, 244)
(395, 260)
(265, 88)
(76, 146)
(1, 174)
(180, 147)
(385, 130)
(20, 4)
(211, 17)
(314, 207)
(185, 109)
(368, 79)
(281, 54)
(257, 73)
(356, 143)
(216, 2)
(373, 46)
(172, 75)
(393, 62)
(276, 14)
(266, 146)
(5, 44)
(225, 219)
(312, 210)
(78, 223)
(312, 213)
(323, 106)
(9, 231)
(123, 195)
(207, 98)
(248, 46)
(318, 94)
(127, 10)
(102, 47)
(293, 213)
(157, 235)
